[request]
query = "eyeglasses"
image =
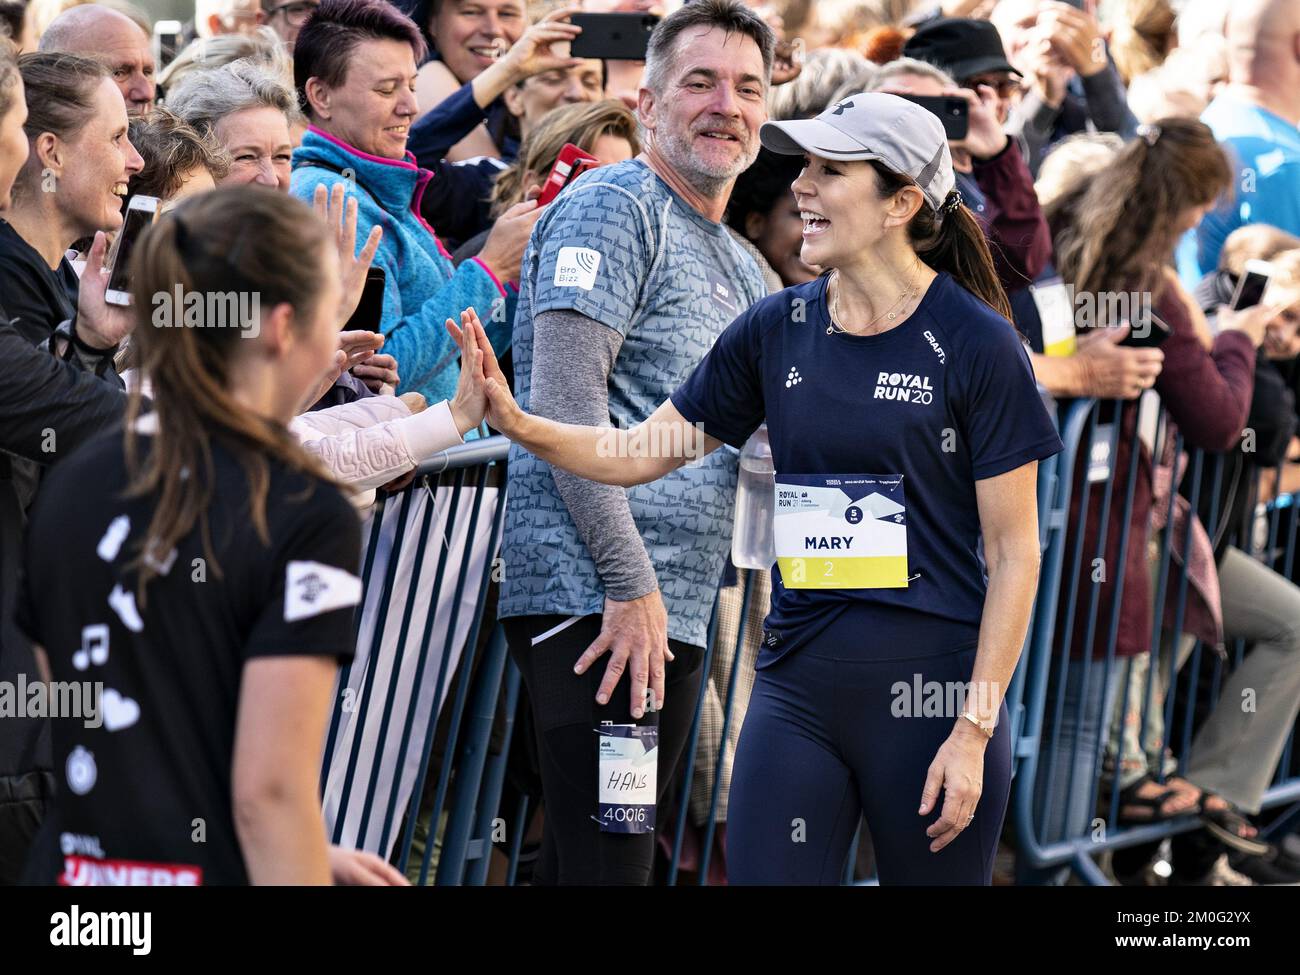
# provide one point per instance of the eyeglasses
(1005, 85)
(295, 13)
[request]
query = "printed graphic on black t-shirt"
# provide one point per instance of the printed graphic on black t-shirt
(145, 797)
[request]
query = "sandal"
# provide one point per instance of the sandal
(1226, 826)
(1152, 807)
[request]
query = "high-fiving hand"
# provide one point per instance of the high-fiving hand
(483, 390)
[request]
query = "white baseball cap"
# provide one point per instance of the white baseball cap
(906, 138)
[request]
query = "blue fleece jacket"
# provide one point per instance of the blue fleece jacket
(422, 288)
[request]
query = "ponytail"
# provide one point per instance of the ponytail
(950, 240)
(958, 246)
(244, 244)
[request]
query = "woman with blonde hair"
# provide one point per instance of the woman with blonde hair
(1143, 35)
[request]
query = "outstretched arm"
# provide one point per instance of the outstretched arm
(662, 443)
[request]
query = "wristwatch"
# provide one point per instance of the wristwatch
(988, 728)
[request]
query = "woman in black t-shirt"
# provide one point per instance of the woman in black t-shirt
(72, 185)
(202, 571)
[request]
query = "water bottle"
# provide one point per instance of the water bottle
(752, 542)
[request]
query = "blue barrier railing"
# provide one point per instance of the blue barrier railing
(1050, 752)
(436, 670)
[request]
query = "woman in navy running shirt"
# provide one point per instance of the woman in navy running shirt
(906, 428)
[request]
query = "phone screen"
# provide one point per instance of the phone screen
(370, 309)
(137, 219)
(1250, 290)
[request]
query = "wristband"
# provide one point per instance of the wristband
(86, 347)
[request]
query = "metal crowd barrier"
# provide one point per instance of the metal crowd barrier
(417, 750)
(1048, 752)
(421, 669)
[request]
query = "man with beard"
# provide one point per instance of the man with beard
(629, 278)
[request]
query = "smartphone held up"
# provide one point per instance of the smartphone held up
(140, 215)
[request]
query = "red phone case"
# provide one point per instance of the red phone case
(572, 163)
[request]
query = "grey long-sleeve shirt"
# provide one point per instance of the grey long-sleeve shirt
(575, 389)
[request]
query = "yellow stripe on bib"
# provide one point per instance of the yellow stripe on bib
(1066, 346)
(863, 572)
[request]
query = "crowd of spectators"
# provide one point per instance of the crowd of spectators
(313, 152)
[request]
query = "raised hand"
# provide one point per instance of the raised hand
(99, 324)
(379, 373)
(1075, 36)
(341, 218)
(503, 251)
(534, 52)
(985, 137)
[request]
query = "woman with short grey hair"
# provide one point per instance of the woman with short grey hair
(249, 111)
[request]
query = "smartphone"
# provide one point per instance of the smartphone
(1252, 285)
(370, 309)
(571, 163)
(617, 37)
(168, 40)
(952, 111)
(1152, 336)
(140, 215)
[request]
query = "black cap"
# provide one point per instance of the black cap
(961, 46)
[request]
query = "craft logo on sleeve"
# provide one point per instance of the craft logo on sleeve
(576, 267)
(312, 588)
(934, 344)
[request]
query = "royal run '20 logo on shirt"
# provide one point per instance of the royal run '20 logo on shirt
(904, 387)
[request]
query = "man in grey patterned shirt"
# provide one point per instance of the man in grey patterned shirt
(629, 278)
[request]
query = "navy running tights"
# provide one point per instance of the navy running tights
(824, 743)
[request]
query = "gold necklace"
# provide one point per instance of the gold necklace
(889, 314)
